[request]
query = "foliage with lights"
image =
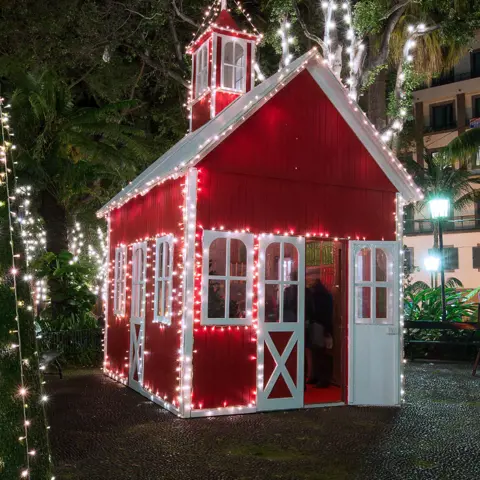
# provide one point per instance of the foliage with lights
(24, 447)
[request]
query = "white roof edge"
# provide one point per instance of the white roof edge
(196, 145)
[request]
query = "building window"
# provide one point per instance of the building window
(476, 257)
(201, 69)
(163, 280)
(119, 282)
(408, 260)
(450, 257)
(227, 280)
(476, 107)
(442, 116)
(233, 70)
(139, 272)
(475, 64)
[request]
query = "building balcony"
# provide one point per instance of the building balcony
(451, 78)
(440, 128)
(463, 223)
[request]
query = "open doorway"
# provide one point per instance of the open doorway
(325, 262)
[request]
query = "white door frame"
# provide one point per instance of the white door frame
(137, 344)
(266, 328)
(382, 339)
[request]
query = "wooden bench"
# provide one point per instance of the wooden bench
(49, 358)
(471, 327)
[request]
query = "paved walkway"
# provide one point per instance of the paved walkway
(102, 430)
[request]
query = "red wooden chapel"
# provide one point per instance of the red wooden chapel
(276, 186)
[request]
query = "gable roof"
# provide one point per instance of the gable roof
(224, 19)
(196, 145)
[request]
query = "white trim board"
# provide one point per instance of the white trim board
(196, 145)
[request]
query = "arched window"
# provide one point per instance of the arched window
(227, 279)
(233, 68)
(139, 270)
(201, 70)
(120, 279)
(374, 285)
(163, 280)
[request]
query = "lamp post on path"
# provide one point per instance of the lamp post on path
(439, 209)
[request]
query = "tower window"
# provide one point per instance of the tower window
(233, 71)
(201, 68)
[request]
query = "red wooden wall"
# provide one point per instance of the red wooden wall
(295, 165)
(158, 212)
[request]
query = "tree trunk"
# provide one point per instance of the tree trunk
(377, 101)
(55, 218)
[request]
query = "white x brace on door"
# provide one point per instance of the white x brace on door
(374, 323)
(281, 298)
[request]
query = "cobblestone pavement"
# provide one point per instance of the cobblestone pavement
(102, 430)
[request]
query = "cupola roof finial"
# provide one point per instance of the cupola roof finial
(223, 5)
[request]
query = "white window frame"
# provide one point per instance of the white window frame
(247, 238)
(142, 280)
(236, 42)
(120, 280)
(163, 281)
(201, 70)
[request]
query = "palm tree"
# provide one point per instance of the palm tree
(73, 157)
(440, 176)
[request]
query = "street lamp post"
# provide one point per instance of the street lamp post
(439, 208)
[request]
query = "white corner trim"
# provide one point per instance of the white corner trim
(106, 292)
(190, 226)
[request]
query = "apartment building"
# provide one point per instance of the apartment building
(449, 107)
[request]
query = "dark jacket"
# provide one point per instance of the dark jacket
(319, 306)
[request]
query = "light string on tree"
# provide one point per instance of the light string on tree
(398, 121)
(286, 41)
(23, 390)
(329, 32)
(31, 228)
(354, 50)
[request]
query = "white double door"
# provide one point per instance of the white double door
(374, 323)
(281, 297)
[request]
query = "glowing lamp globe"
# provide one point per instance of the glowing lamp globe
(432, 263)
(439, 207)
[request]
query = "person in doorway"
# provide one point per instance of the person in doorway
(319, 312)
(290, 301)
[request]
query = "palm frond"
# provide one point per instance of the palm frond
(453, 282)
(464, 146)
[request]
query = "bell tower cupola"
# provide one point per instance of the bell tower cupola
(223, 58)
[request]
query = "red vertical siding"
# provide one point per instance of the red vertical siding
(158, 212)
(224, 99)
(295, 165)
(201, 112)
